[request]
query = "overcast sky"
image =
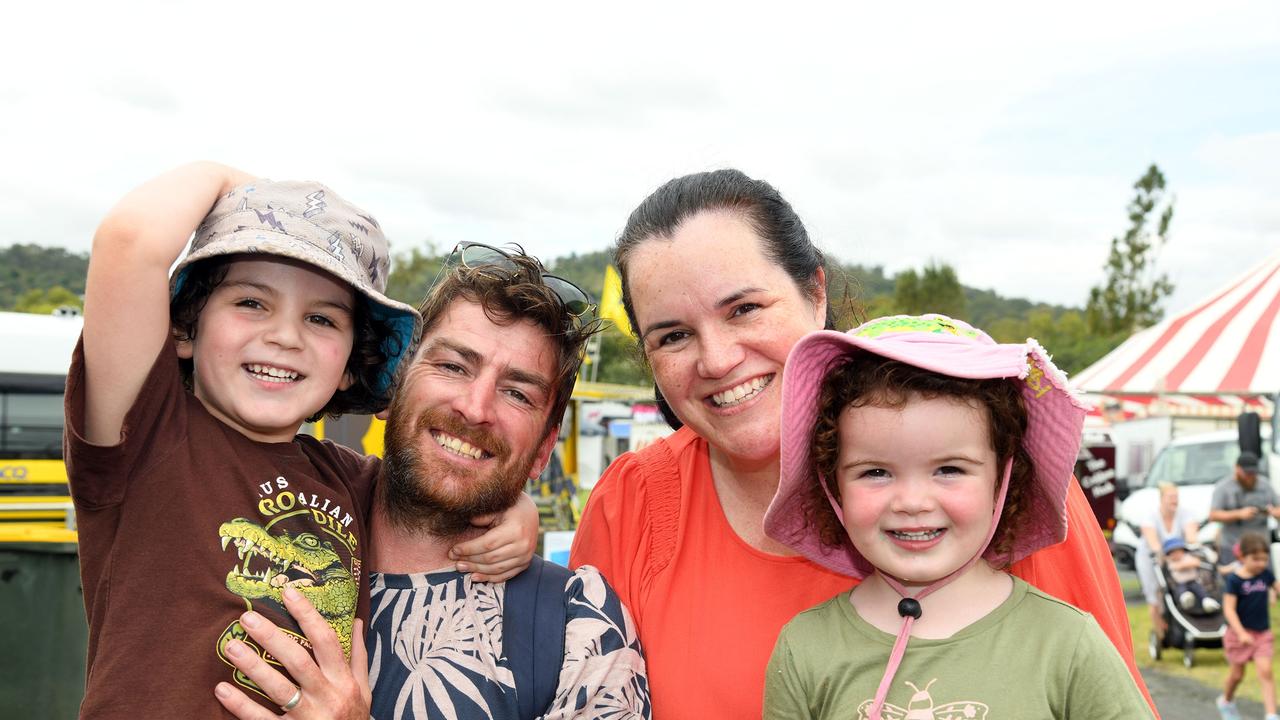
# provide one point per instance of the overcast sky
(1002, 138)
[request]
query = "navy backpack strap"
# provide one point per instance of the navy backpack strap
(550, 618)
(533, 623)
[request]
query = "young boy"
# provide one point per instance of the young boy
(196, 499)
(1246, 605)
(1184, 571)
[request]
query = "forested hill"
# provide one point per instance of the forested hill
(32, 267)
(36, 279)
(861, 292)
(28, 268)
(865, 284)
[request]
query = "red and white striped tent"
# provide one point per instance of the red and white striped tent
(1219, 358)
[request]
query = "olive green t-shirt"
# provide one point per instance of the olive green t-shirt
(1031, 657)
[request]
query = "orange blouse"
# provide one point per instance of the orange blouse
(709, 606)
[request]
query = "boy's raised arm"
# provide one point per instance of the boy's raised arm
(126, 315)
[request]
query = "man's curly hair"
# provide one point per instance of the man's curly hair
(509, 295)
(368, 349)
(865, 379)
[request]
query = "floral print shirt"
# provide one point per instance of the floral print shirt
(435, 651)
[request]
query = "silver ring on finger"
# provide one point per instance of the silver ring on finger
(293, 701)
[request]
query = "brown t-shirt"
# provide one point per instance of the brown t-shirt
(184, 525)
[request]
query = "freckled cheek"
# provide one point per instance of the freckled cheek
(671, 376)
(785, 333)
(782, 334)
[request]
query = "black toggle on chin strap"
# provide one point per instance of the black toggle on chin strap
(909, 607)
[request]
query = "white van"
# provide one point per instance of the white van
(1194, 463)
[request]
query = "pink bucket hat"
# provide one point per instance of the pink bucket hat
(1055, 420)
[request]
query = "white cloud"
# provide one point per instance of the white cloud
(1253, 157)
(1000, 137)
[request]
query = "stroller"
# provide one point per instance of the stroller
(1193, 620)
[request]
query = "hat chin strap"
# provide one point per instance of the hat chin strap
(909, 607)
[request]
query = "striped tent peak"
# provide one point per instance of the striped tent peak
(1229, 342)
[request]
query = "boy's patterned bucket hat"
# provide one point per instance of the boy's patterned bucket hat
(1055, 422)
(308, 222)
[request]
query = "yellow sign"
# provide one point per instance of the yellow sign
(611, 301)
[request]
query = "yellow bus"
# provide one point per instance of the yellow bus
(35, 353)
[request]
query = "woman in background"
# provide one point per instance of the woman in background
(1167, 520)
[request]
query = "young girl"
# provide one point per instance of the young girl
(1245, 605)
(923, 458)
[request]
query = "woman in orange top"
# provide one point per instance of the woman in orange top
(719, 281)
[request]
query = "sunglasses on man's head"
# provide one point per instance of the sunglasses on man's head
(475, 256)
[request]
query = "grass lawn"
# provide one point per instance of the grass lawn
(1210, 666)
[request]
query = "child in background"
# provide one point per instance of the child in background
(1245, 603)
(1184, 571)
(923, 458)
(198, 504)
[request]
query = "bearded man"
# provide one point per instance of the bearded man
(476, 415)
(1242, 504)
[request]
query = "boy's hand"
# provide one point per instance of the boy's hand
(506, 549)
(1245, 637)
(329, 687)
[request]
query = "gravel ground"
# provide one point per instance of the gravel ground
(1181, 699)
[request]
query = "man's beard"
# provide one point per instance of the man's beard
(426, 494)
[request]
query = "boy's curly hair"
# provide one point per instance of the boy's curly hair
(865, 379)
(511, 294)
(368, 353)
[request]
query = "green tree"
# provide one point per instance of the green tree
(412, 274)
(31, 267)
(585, 270)
(941, 290)
(1130, 298)
(620, 360)
(44, 302)
(1064, 334)
(936, 289)
(906, 292)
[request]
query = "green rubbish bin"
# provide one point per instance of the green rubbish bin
(43, 634)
